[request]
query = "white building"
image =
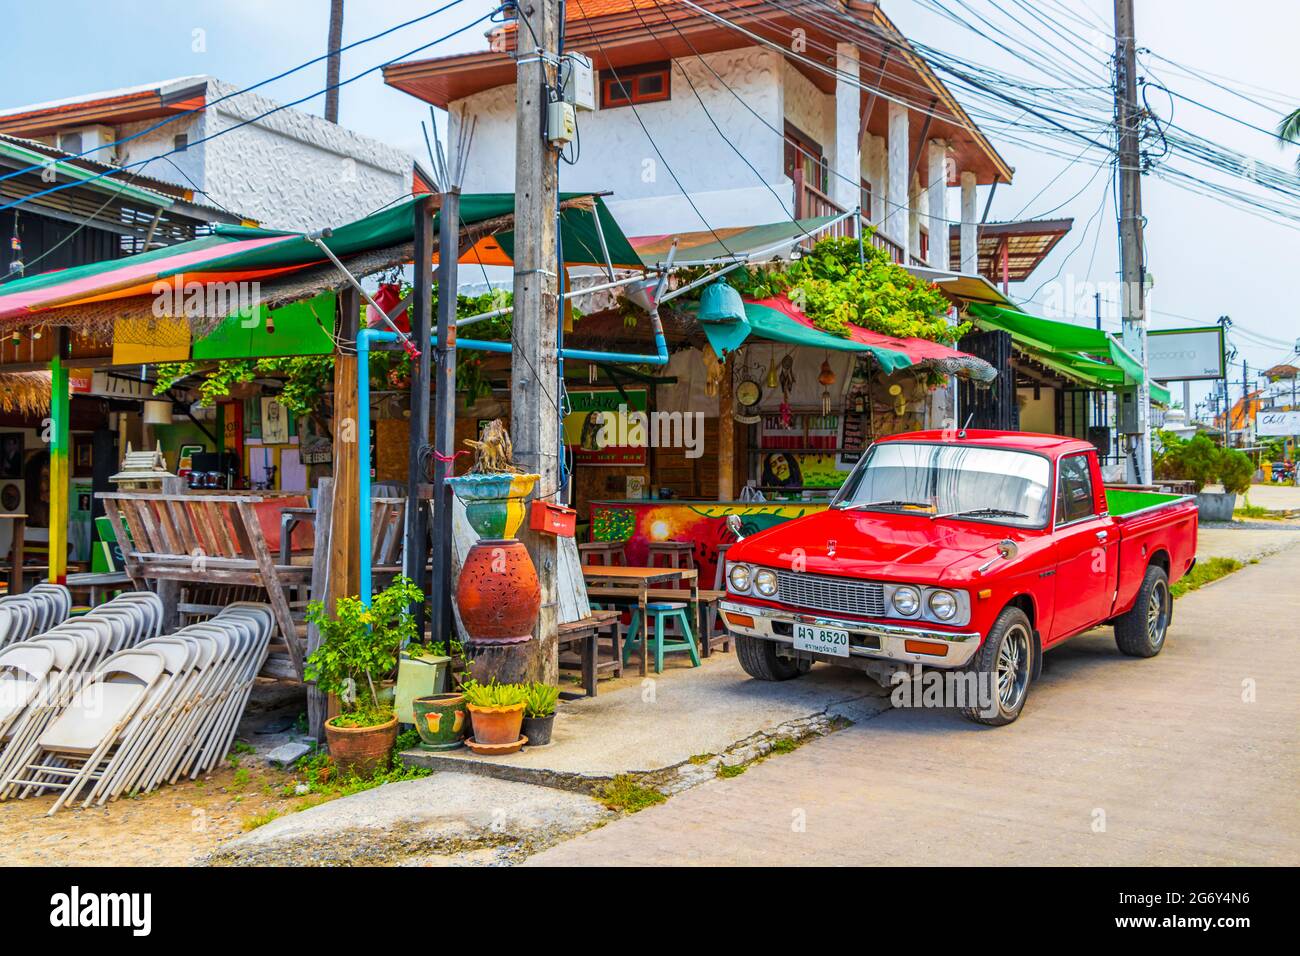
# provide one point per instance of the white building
(288, 170)
(795, 135)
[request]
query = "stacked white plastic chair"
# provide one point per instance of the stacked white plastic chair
(39, 676)
(150, 713)
(23, 615)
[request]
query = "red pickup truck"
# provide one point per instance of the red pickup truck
(968, 551)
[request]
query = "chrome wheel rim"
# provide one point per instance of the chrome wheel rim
(1013, 668)
(1158, 614)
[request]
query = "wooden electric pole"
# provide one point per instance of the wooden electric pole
(1132, 265)
(332, 64)
(534, 402)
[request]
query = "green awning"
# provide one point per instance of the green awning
(722, 244)
(1090, 356)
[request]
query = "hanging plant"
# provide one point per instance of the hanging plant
(836, 291)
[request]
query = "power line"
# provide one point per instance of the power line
(242, 123)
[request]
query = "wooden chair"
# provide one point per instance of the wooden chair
(710, 599)
(214, 540)
(609, 553)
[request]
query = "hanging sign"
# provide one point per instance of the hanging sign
(608, 427)
(1277, 423)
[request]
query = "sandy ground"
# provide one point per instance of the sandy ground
(173, 825)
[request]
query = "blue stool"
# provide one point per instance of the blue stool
(662, 612)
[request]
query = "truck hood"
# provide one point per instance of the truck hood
(878, 545)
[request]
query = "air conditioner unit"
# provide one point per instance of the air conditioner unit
(91, 141)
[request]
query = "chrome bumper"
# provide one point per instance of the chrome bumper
(890, 637)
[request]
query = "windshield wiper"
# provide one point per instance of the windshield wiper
(983, 512)
(889, 503)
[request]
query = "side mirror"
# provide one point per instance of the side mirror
(734, 526)
(1007, 548)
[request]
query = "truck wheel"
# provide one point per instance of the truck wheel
(759, 659)
(1140, 632)
(1005, 663)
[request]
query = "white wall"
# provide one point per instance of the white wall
(617, 155)
(292, 170)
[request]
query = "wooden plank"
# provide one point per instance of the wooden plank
(317, 699)
(217, 519)
(344, 559)
(274, 589)
(571, 592)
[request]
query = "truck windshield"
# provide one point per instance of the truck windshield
(979, 484)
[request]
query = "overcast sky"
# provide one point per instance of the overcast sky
(1207, 259)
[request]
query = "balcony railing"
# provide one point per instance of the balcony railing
(810, 202)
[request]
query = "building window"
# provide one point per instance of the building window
(805, 153)
(181, 142)
(649, 83)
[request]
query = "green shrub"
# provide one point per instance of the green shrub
(541, 700)
(1235, 471)
(358, 650)
(494, 694)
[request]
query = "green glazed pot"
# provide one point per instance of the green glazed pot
(494, 504)
(441, 721)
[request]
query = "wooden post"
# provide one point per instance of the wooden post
(344, 559)
(444, 437)
(317, 700)
(535, 416)
(417, 527)
(726, 434)
(60, 438)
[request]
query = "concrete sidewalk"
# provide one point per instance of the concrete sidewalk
(658, 724)
(1191, 758)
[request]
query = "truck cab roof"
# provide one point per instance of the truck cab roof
(1051, 445)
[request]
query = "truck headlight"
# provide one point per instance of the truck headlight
(739, 577)
(907, 601)
(943, 605)
(765, 582)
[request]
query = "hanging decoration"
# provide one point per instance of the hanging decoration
(826, 379)
(786, 378)
(772, 382)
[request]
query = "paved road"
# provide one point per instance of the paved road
(1114, 761)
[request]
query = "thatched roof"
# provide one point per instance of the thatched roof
(26, 393)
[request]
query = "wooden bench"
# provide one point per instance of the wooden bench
(586, 633)
(209, 540)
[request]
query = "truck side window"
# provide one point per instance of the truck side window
(1074, 498)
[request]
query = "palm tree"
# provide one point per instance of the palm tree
(1288, 131)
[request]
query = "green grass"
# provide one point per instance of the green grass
(261, 820)
(1211, 569)
(784, 745)
(624, 793)
(727, 771)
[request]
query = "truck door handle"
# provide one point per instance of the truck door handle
(1103, 535)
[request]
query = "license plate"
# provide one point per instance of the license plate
(821, 640)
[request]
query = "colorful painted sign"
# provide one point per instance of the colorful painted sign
(702, 523)
(606, 427)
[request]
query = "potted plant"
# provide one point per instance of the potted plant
(1202, 462)
(497, 712)
(539, 713)
(358, 650)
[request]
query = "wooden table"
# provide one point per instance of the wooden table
(637, 586)
(17, 551)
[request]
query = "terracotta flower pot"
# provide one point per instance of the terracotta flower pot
(360, 750)
(498, 593)
(441, 721)
(497, 725)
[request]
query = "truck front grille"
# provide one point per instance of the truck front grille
(825, 593)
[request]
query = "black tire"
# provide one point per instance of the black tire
(1141, 631)
(1007, 651)
(759, 659)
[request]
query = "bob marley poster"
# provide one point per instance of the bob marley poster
(607, 427)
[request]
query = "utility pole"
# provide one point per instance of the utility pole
(332, 64)
(1132, 266)
(534, 404)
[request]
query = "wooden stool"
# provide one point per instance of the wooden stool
(608, 553)
(674, 554)
(663, 612)
(710, 599)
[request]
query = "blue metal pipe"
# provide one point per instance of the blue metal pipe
(364, 338)
(659, 358)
